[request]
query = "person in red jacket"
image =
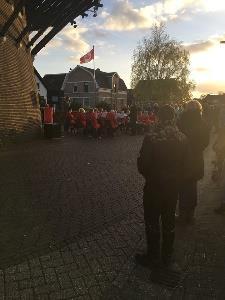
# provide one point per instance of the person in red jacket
(48, 114)
(111, 122)
(82, 118)
(70, 120)
(94, 123)
(75, 122)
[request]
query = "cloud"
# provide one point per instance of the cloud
(74, 58)
(73, 40)
(201, 69)
(208, 65)
(124, 16)
(76, 40)
(69, 39)
(210, 87)
(199, 46)
(204, 45)
(96, 33)
(55, 43)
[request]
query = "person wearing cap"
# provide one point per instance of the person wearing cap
(197, 132)
(162, 161)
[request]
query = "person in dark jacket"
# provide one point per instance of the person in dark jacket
(163, 162)
(197, 132)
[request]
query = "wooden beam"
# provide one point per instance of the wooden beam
(12, 18)
(72, 15)
(22, 34)
(51, 23)
(34, 38)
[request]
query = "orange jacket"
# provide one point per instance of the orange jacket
(82, 119)
(93, 119)
(48, 115)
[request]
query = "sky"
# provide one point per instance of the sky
(198, 24)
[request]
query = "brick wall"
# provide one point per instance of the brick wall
(19, 108)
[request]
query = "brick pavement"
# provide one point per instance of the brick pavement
(71, 222)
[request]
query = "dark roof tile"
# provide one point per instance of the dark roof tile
(54, 82)
(102, 79)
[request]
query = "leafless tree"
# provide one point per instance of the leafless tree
(158, 57)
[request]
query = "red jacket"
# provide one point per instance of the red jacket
(48, 115)
(82, 119)
(93, 119)
(112, 119)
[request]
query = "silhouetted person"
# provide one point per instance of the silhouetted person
(197, 132)
(133, 119)
(162, 162)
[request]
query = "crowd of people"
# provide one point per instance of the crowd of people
(101, 123)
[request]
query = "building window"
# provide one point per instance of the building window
(75, 89)
(86, 87)
(86, 102)
(38, 85)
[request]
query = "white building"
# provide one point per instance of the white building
(41, 87)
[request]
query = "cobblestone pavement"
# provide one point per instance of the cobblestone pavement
(71, 221)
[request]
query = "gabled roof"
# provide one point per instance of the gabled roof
(157, 89)
(40, 78)
(54, 82)
(212, 98)
(102, 78)
(151, 82)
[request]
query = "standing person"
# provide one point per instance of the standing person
(133, 119)
(162, 162)
(218, 175)
(193, 126)
(111, 122)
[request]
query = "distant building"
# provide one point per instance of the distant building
(41, 86)
(214, 99)
(157, 90)
(54, 84)
(82, 89)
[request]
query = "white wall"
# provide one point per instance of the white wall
(41, 90)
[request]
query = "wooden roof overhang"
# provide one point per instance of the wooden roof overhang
(47, 14)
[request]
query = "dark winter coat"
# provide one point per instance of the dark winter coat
(163, 157)
(197, 132)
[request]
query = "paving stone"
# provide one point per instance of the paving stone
(27, 294)
(79, 286)
(50, 275)
(64, 280)
(95, 293)
(63, 294)
(87, 221)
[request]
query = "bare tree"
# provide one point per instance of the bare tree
(158, 57)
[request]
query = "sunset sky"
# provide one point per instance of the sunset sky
(120, 24)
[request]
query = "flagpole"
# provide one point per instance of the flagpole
(94, 76)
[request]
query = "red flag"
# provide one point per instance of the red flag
(87, 57)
